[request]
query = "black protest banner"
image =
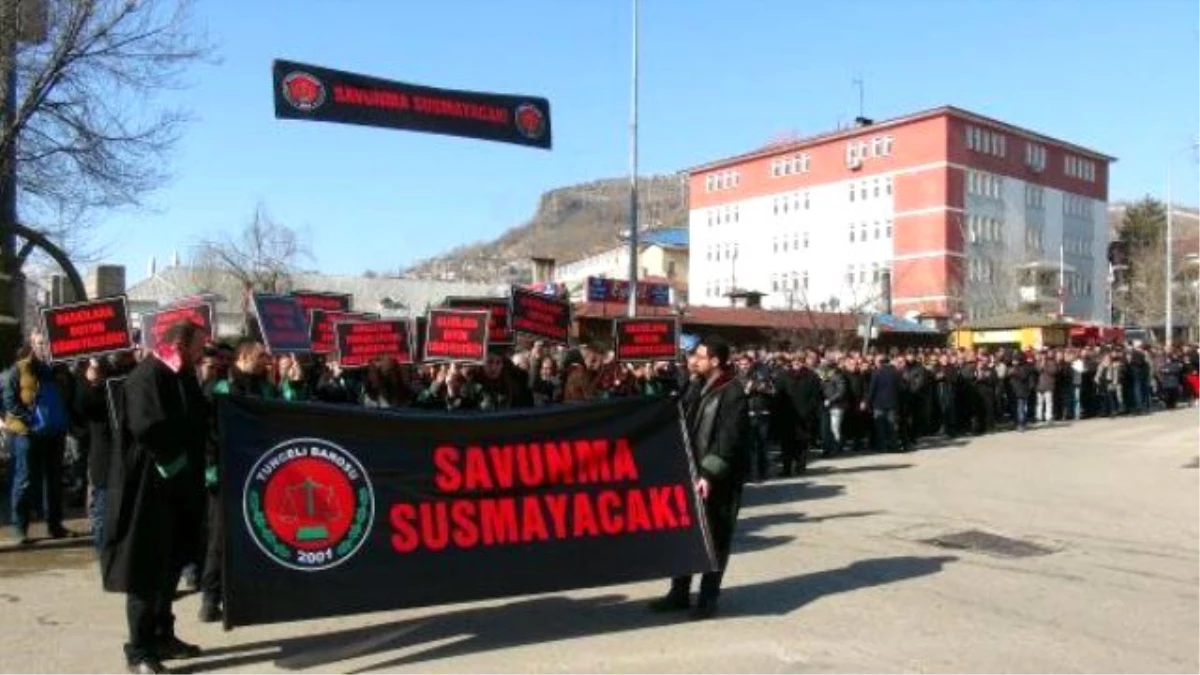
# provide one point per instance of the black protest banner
(307, 92)
(87, 329)
(540, 316)
(321, 323)
(360, 342)
(499, 326)
(330, 302)
(646, 339)
(332, 511)
(283, 323)
(156, 324)
(456, 335)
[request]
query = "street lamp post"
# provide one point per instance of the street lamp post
(1168, 327)
(633, 174)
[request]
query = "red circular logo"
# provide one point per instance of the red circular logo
(303, 91)
(308, 504)
(530, 121)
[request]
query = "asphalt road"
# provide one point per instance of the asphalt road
(1081, 552)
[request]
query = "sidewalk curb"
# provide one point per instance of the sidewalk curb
(10, 546)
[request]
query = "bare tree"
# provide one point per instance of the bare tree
(85, 132)
(262, 258)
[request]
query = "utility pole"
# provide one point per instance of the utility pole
(633, 175)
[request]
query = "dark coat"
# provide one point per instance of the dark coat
(152, 520)
(885, 389)
(1022, 377)
(807, 400)
(719, 422)
(91, 408)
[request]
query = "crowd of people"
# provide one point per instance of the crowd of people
(797, 403)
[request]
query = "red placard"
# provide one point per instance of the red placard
(156, 324)
(646, 339)
(540, 316)
(321, 323)
(360, 342)
(87, 329)
(456, 335)
(330, 302)
(499, 330)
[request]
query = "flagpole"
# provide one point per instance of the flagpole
(633, 175)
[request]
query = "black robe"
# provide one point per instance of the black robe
(152, 523)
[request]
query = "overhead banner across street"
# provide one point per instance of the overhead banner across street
(308, 92)
(332, 511)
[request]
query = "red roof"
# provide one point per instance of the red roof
(741, 317)
(829, 136)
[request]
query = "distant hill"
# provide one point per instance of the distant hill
(569, 223)
(1186, 220)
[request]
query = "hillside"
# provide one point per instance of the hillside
(569, 223)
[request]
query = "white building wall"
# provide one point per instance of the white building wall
(772, 244)
(1084, 237)
(612, 263)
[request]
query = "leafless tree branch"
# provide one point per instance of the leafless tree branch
(87, 134)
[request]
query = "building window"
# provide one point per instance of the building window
(852, 192)
(804, 240)
(850, 275)
(851, 233)
(862, 232)
(877, 230)
(774, 283)
(795, 242)
(806, 203)
(888, 228)
(804, 280)
(775, 244)
(862, 191)
(875, 190)
(804, 162)
(877, 147)
(887, 146)
(887, 185)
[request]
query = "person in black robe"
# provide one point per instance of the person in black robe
(718, 423)
(155, 493)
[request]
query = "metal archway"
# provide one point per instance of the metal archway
(34, 239)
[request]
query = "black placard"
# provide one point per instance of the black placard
(330, 302)
(321, 322)
(337, 510)
(456, 335)
(156, 324)
(540, 316)
(360, 342)
(307, 92)
(283, 323)
(646, 339)
(420, 332)
(87, 329)
(499, 326)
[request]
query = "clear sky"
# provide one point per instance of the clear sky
(718, 77)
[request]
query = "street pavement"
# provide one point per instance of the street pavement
(1081, 555)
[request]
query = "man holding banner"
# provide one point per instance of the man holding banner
(718, 425)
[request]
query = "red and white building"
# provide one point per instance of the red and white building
(949, 201)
